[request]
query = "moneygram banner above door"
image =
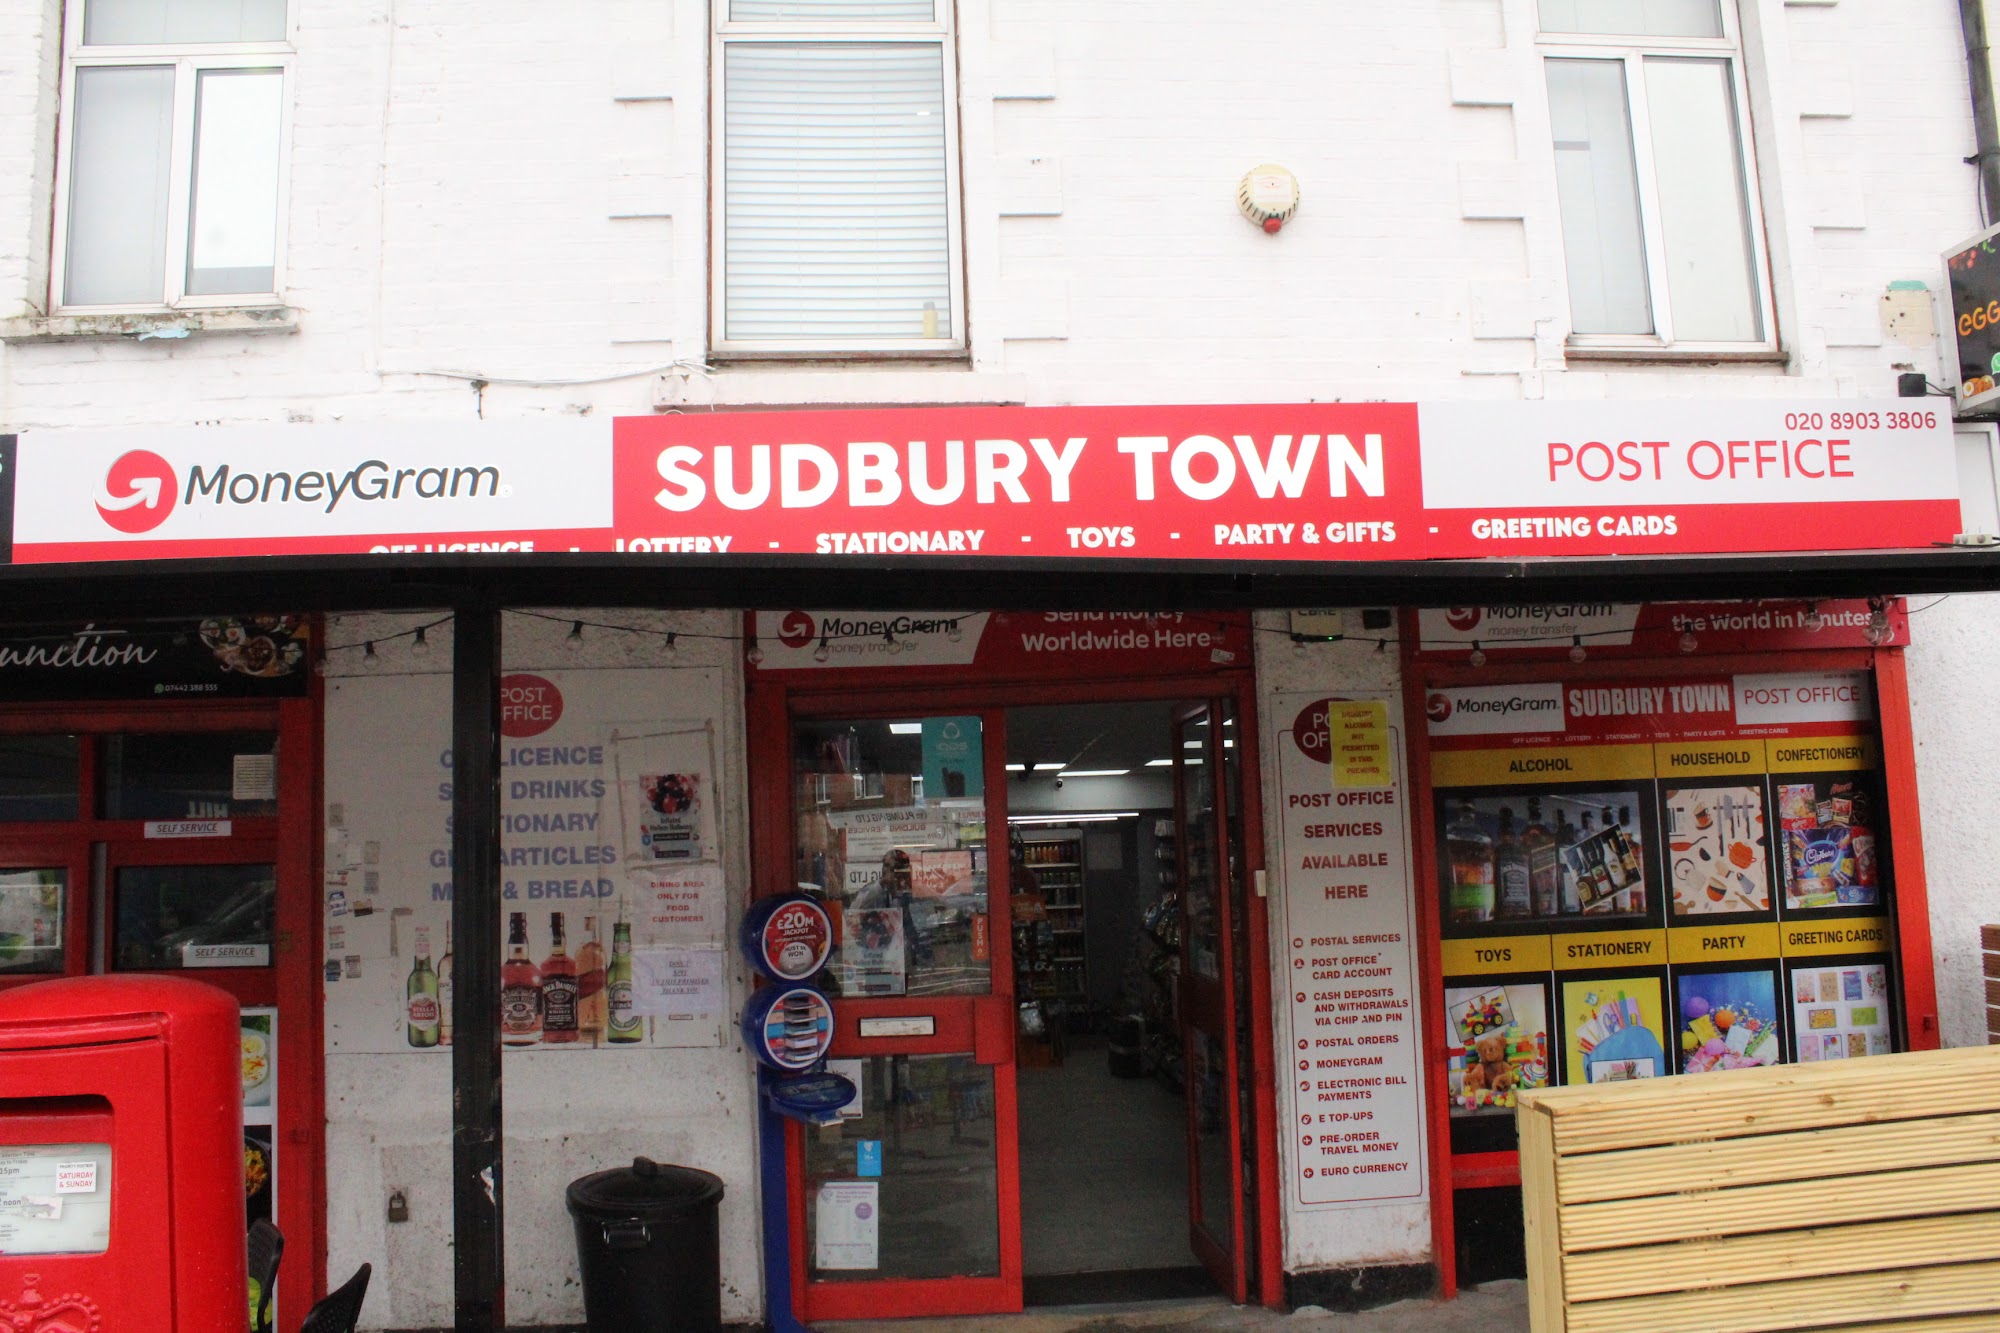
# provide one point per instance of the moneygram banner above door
(1303, 482)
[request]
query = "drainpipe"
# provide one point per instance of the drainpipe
(1979, 70)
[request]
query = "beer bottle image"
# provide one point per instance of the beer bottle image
(444, 990)
(520, 988)
(590, 1004)
(421, 994)
(558, 988)
(624, 1026)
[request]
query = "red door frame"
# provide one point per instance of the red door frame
(295, 988)
(1209, 1004)
(772, 699)
(1915, 965)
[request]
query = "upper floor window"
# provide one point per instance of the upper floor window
(836, 193)
(172, 155)
(1661, 233)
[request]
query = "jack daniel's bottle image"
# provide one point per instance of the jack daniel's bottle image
(559, 988)
(520, 988)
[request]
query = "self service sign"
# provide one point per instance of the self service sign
(1291, 483)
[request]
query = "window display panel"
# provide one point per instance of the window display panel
(1613, 1029)
(1540, 854)
(1719, 860)
(1499, 1045)
(1728, 1020)
(1832, 857)
(891, 829)
(1841, 1008)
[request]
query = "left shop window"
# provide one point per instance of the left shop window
(39, 777)
(194, 916)
(190, 775)
(172, 159)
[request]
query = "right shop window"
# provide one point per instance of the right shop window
(1639, 878)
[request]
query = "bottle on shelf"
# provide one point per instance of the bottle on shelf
(1510, 870)
(520, 988)
(622, 1025)
(1569, 869)
(444, 990)
(420, 994)
(590, 1007)
(1544, 886)
(1470, 854)
(559, 988)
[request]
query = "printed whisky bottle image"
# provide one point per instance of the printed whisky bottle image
(625, 1026)
(590, 1005)
(559, 988)
(520, 988)
(420, 994)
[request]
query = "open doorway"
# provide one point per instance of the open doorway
(1100, 1068)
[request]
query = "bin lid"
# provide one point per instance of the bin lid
(646, 1190)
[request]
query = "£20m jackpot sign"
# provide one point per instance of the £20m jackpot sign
(1301, 482)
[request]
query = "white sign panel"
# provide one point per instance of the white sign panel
(1354, 1070)
(1690, 452)
(1495, 710)
(848, 1218)
(1789, 697)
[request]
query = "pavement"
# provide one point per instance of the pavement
(1497, 1307)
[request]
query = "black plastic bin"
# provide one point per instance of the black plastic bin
(648, 1239)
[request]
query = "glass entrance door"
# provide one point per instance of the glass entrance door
(910, 1203)
(1209, 852)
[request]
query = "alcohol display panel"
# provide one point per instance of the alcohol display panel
(1640, 878)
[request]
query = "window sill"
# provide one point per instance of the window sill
(849, 385)
(1675, 356)
(168, 324)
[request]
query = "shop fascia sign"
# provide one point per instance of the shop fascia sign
(1652, 629)
(1304, 483)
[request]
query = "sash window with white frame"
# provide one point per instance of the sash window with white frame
(172, 160)
(1662, 237)
(836, 184)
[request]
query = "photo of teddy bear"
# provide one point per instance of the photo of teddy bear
(1501, 1046)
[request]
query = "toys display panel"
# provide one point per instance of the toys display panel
(1499, 1045)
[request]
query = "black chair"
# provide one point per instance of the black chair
(341, 1310)
(267, 1246)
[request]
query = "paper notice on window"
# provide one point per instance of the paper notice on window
(847, 1230)
(683, 904)
(55, 1198)
(254, 777)
(1360, 744)
(677, 984)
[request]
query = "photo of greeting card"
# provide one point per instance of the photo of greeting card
(1841, 1015)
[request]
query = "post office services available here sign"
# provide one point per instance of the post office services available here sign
(1292, 482)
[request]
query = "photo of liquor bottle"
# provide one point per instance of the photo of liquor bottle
(1544, 868)
(623, 1026)
(1510, 870)
(420, 995)
(590, 1006)
(520, 988)
(558, 988)
(1470, 856)
(444, 990)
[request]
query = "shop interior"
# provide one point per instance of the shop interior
(1103, 1120)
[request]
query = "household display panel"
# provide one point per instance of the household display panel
(1637, 878)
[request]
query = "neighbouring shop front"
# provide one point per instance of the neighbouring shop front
(1176, 941)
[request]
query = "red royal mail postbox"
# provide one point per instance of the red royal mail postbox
(121, 1158)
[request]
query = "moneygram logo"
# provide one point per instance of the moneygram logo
(1462, 618)
(1490, 710)
(139, 492)
(795, 630)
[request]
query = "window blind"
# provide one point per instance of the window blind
(153, 22)
(121, 151)
(1597, 185)
(836, 209)
(831, 11)
(1649, 18)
